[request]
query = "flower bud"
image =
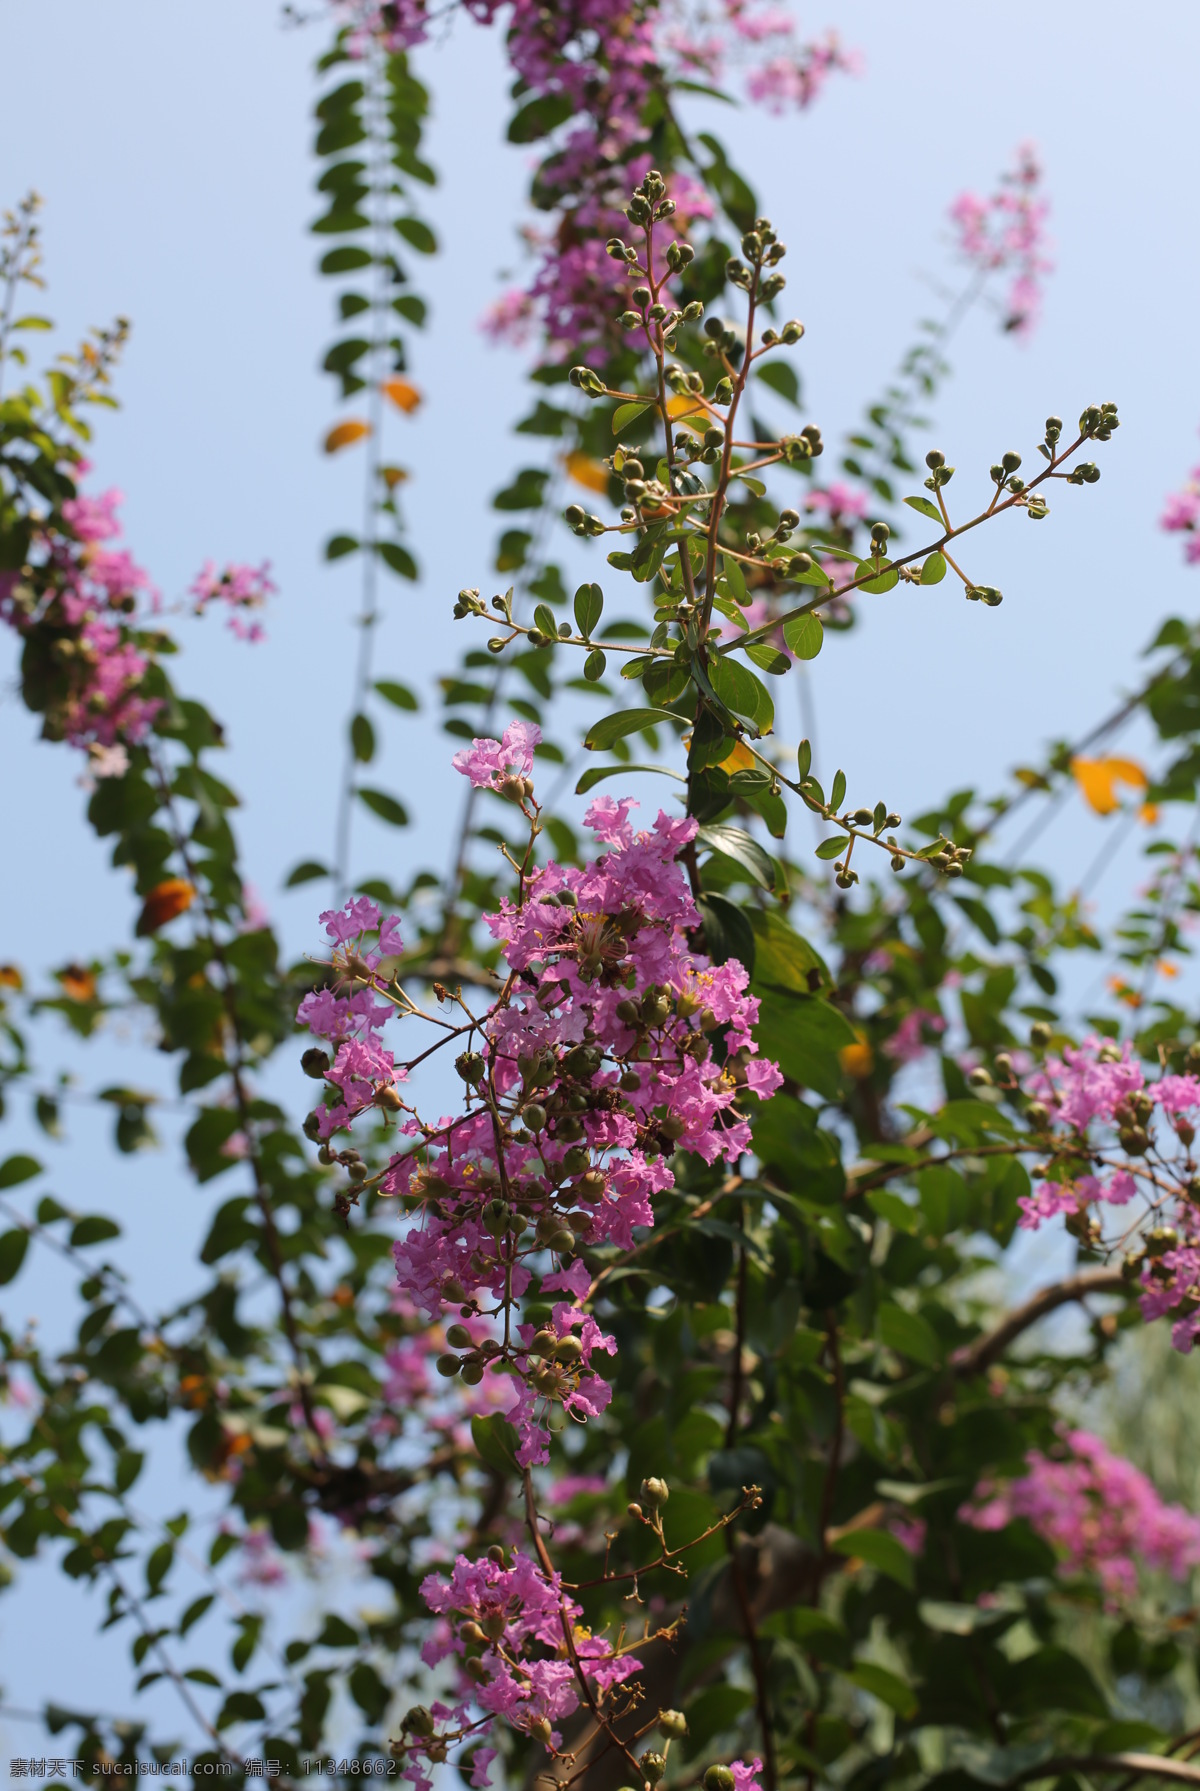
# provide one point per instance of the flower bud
(673, 1723)
(792, 331)
(540, 1728)
(1040, 1035)
(654, 1492)
(718, 1778)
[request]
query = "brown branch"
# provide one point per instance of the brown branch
(975, 1358)
(1140, 1765)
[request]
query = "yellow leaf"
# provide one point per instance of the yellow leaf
(1148, 814)
(342, 434)
(1098, 778)
(858, 1059)
(740, 759)
(402, 395)
(591, 474)
(393, 476)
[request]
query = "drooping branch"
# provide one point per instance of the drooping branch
(975, 1358)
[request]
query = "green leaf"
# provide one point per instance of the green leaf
(362, 739)
(805, 636)
(743, 848)
(727, 932)
(399, 695)
(596, 774)
(833, 847)
(589, 607)
(925, 507)
(898, 1213)
(886, 579)
(957, 1619)
(885, 1686)
(934, 569)
(625, 721)
(338, 546)
(838, 792)
(626, 414)
(13, 1245)
(879, 1549)
(417, 234)
(18, 1169)
(909, 1335)
(781, 377)
(385, 806)
(397, 558)
(305, 872)
(595, 665)
(769, 658)
(496, 1443)
(741, 692)
(540, 117)
(803, 1035)
(94, 1229)
(543, 618)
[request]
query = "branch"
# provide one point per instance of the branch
(975, 1357)
(1140, 1765)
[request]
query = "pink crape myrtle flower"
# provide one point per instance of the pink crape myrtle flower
(1005, 233)
(746, 1774)
(1181, 515)
(240, 588)
(1099, 1513)
(491, 763)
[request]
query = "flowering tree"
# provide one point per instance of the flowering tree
(619, 1313)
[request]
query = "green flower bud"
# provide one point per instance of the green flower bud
(673, 1723)
(655, 1493)
(718, 1778)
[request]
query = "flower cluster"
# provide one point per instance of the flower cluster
(1182, 516)
(1005, 233)
(512, 1630)
(613, 1044)
(240, 588)
(604, 60)
(780, 72)
(72, 603)
(1098, 1512)
(1118, 1142)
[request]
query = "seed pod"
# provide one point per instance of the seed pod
(718, 1778)
(534, 1116)
(653, 1765)
(448, 1365)
(568, 1350)
(315, 1062)
(563, 1242)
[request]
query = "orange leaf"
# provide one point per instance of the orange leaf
(342, 434)
(77, 982)
(858, 1059)
(10, 977)
(393, 476)
(739, 759)
(402, 395)
(1098, 778)
(591, 474)
(167, 899)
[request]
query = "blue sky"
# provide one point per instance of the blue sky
(172, 147)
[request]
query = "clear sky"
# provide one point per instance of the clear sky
(172, 146)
